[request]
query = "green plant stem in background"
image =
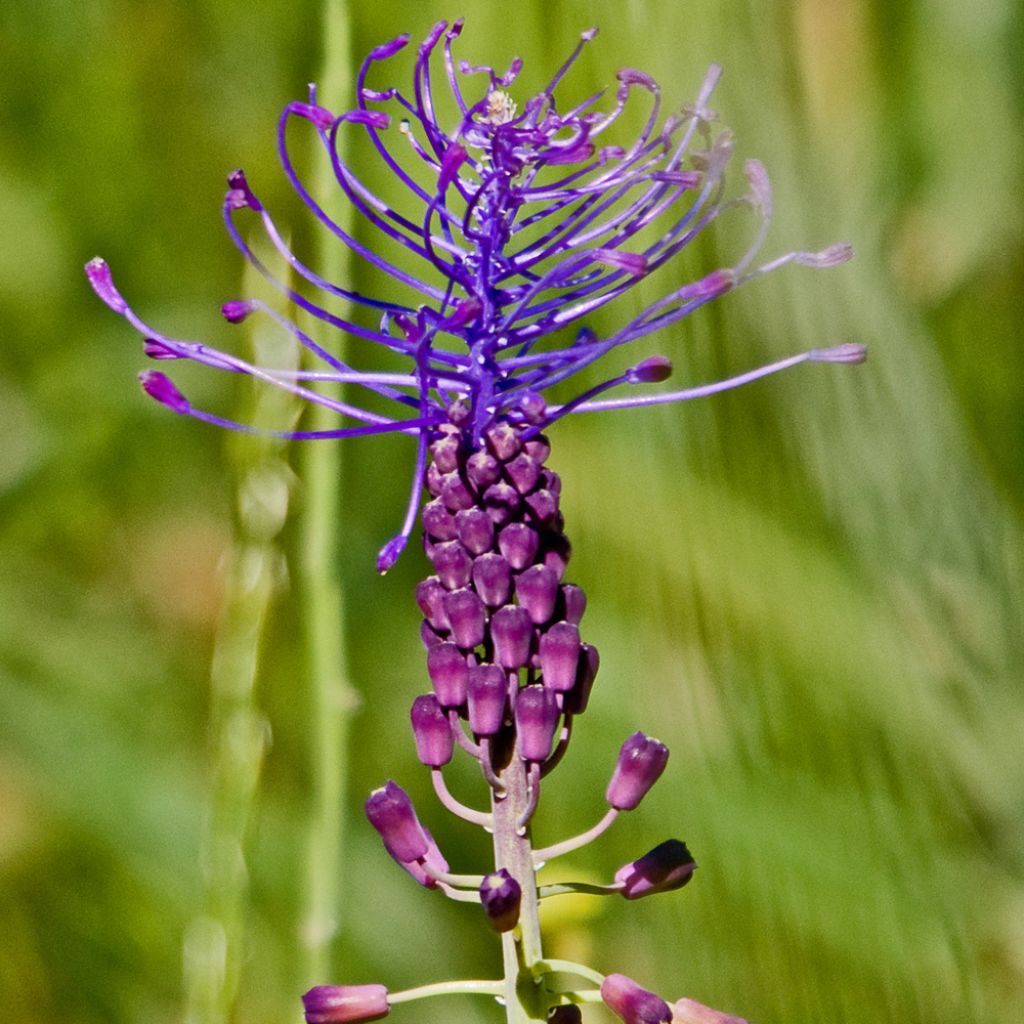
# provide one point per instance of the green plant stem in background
(331, 696)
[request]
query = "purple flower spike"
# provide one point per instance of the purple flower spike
(501, 895)
(559, 653)
(668, 866)
(512, 632)
(633, 1004)
(641, 762)
(391, 813)
(431, 731)
(486, 697)
(344, 1004)
(447, 668)
(537, 717)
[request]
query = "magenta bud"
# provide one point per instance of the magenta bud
(543, 505)
(434, 479)
(538, 448)
(523, 472)
(240, 195)
(320, 116)
(500, 896)
(718, 282)
(465, 311)
(446, 666)
(438, 521)
(431, 731)
(434, 858)
(452, 564)
(689, 1011)
(388, 555)
(633, 1004)
(343, 1004)
(161, 387)
(475, 529)
(518, 542)
(372, 118)
(455, 494)
(237, 310)
(492, 578)
(641, 762)
(573, 603)
(98, 273)
(389, 49)
(557, 550)
(429, 593)
(157, 348)
(429, 636)
(452, 159)
(467, 617)
(445, 453)
(537, 591)
(534, 409)
(486, 696)
(650, 371)
(536, 714)
(668, 866)
(575, 701)
(501, 502)
(503, 440)
(512, 632)
(559, 654)
(391, 813)
(483, 470)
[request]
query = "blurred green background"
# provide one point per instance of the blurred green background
(809, 589)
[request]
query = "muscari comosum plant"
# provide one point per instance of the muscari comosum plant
(526, 219)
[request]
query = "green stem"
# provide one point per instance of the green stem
(448, 988)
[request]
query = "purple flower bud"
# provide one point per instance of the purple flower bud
(668, 866)
(537, 715)
(689, 1011)
(575, 701)
(486, 697)
(483, 470)
(559, 654)
(431, 731)
(551, 481)
(452, 564)
(455, 494)
(467, 617)
(568, 1014)
(237, 310)
(343, 1004)
(434, 479)
(650, 371)
(512, 632)
(503, 440)
(518, 542)
(543, 506)
(445, 453)
(633, 1004)
(501, 502)
(319, 116)
(428, 636)
(429, 593)
(476, 531)
(388, 555)
(161, 387)
(501, 895)
(156, 348)
(446, 666)
(391, 813)
(573, 603)
(534, 408)
(538, 448)
(492, 578)
(438, 521)
(386, 50)
(537, 591)
(641, 762)
(557, 550)
(523, 472)
(98, 273)
(240, 195)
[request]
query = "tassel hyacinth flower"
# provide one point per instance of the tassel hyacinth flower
(525, 216)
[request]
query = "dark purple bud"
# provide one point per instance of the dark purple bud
(568, 1014)
(557, 550)
(518, 542)
(689, 1011)
(486, 696)
(500, 896)
(534, 409)
(575, 701)
(240, 195)
(446, 666)
(641, 762)
(538, 448)
(501, 502)
(523, 472)
(483, 470)
(668, 866)
(650, 371)
(492, 578)
(428, 596)
(633, 1004)
(438, 521)
(452, 564)
(445, 453)
(237, 310)
(98, 273)
(434, 479)
(537, 591)
(512, 633)
(344, 1004)
(160, 387)
(503, 440)
(155, 348)
(429, 636)
(476, 531)
(391, 813)
(455, 494)
(536, 714)
(559, 653)
(550, 480)
(431, 731)
(573, 603)
(543, 505)
(467, 617)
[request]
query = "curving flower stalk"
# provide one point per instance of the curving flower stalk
(523, 218)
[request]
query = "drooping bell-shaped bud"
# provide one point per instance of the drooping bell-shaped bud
(434, 859)
(537, 591)
(668, 866)
(467, 617)
(447, 668)
(559, 654)
(501, 502)
(428, 596)
(641, 762)
(633, 1004)
(475, 530)
(518, 542)
(345, 1004)
(503, 441)
(452, 564)
(391, 813)
(486, 697)
(536, 715)
(438, 522)
(575, 701)
(483, 469)
(573, 603)
(500, 895)
(512, 632)
(492, 578)
(523, 472)
(431, 731)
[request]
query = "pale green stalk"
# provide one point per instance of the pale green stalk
(331, 696)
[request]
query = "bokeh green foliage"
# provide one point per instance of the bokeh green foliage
(809, 588)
